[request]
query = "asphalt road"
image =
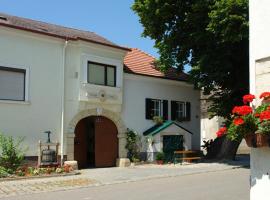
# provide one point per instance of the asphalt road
(223, 185)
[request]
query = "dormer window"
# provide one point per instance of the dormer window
(101, 74)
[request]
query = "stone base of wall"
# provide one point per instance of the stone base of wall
(122, 162)
(32, 161)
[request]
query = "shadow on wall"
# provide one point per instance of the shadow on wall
(260, 165)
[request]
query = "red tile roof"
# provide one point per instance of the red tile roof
(141, 63)
(54, 30)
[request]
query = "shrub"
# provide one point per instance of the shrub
(132, 145)
(160, 156)
(3, 172)
(11, 152)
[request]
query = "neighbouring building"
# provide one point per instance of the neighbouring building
(210, 125)
(88, 91)
(259, 82)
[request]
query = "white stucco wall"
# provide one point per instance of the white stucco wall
(138, 88)
(259, 82)
(42, 58)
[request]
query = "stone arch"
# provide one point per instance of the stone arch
(114, 117)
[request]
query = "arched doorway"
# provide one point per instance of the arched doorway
(96, 142)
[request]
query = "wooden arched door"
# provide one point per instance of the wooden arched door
(96, 142)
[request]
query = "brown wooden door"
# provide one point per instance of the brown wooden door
(80, 144)
(106, 143)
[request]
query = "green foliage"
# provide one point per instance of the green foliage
(264, 127)
(11, 152)
(160, 156)
(209, 35)
(158, 119)
(236, 133)
(262, 108)
(3, 172)
(132, 145)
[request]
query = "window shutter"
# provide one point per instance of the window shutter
(148, 108)
(173, 110)
(165, 109)
(188, 111)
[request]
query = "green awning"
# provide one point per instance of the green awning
(159, 127)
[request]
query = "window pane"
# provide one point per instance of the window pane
(110, 76)
(96, 74)
(157, 108)
(180, 110)
(12, 85)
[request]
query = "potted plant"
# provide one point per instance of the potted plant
(160, 158)
(158, 120)
(251, 124)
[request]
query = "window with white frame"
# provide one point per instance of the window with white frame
(12, 84)
(180, 110)
(156, 109)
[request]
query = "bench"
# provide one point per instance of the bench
(186, 156)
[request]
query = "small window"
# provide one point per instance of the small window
(156, 110)
(101, 74)
(156, 107)
(180, 111)
(12, 84)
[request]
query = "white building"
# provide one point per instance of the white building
(78, 85)
(259, 82)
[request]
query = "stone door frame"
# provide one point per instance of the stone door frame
(114, 117)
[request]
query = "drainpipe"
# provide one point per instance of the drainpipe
(63, 100)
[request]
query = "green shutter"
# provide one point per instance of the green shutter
(148, 108)
(188, 111)
(173, 110)
(165, 109)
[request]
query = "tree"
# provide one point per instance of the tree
(212, 37)
(209, 35)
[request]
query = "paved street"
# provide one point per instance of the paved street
(230, 184)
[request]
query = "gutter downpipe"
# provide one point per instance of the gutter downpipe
(63, 101)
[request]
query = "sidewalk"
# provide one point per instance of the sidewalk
(106, 176)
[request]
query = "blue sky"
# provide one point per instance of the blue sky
(112, 19)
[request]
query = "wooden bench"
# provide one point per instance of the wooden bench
(189, 159)
(185, 158)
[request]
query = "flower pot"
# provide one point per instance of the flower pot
(257, 140)
(262, 140)
(250, 140)
(160, 162)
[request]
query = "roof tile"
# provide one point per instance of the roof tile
(139, 62)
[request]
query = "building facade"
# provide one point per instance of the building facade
(86, 90)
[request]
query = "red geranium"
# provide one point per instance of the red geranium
(221, 131)
(248, 98)
(265, 95)
(242, 110)
(265, 115)
(238, 121)
(257, 115)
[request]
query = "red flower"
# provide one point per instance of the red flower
(242, 110)
(221, 131)
(265, 115)
(238, 121)
(265, 95)
(248, 98)
(257, 115)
